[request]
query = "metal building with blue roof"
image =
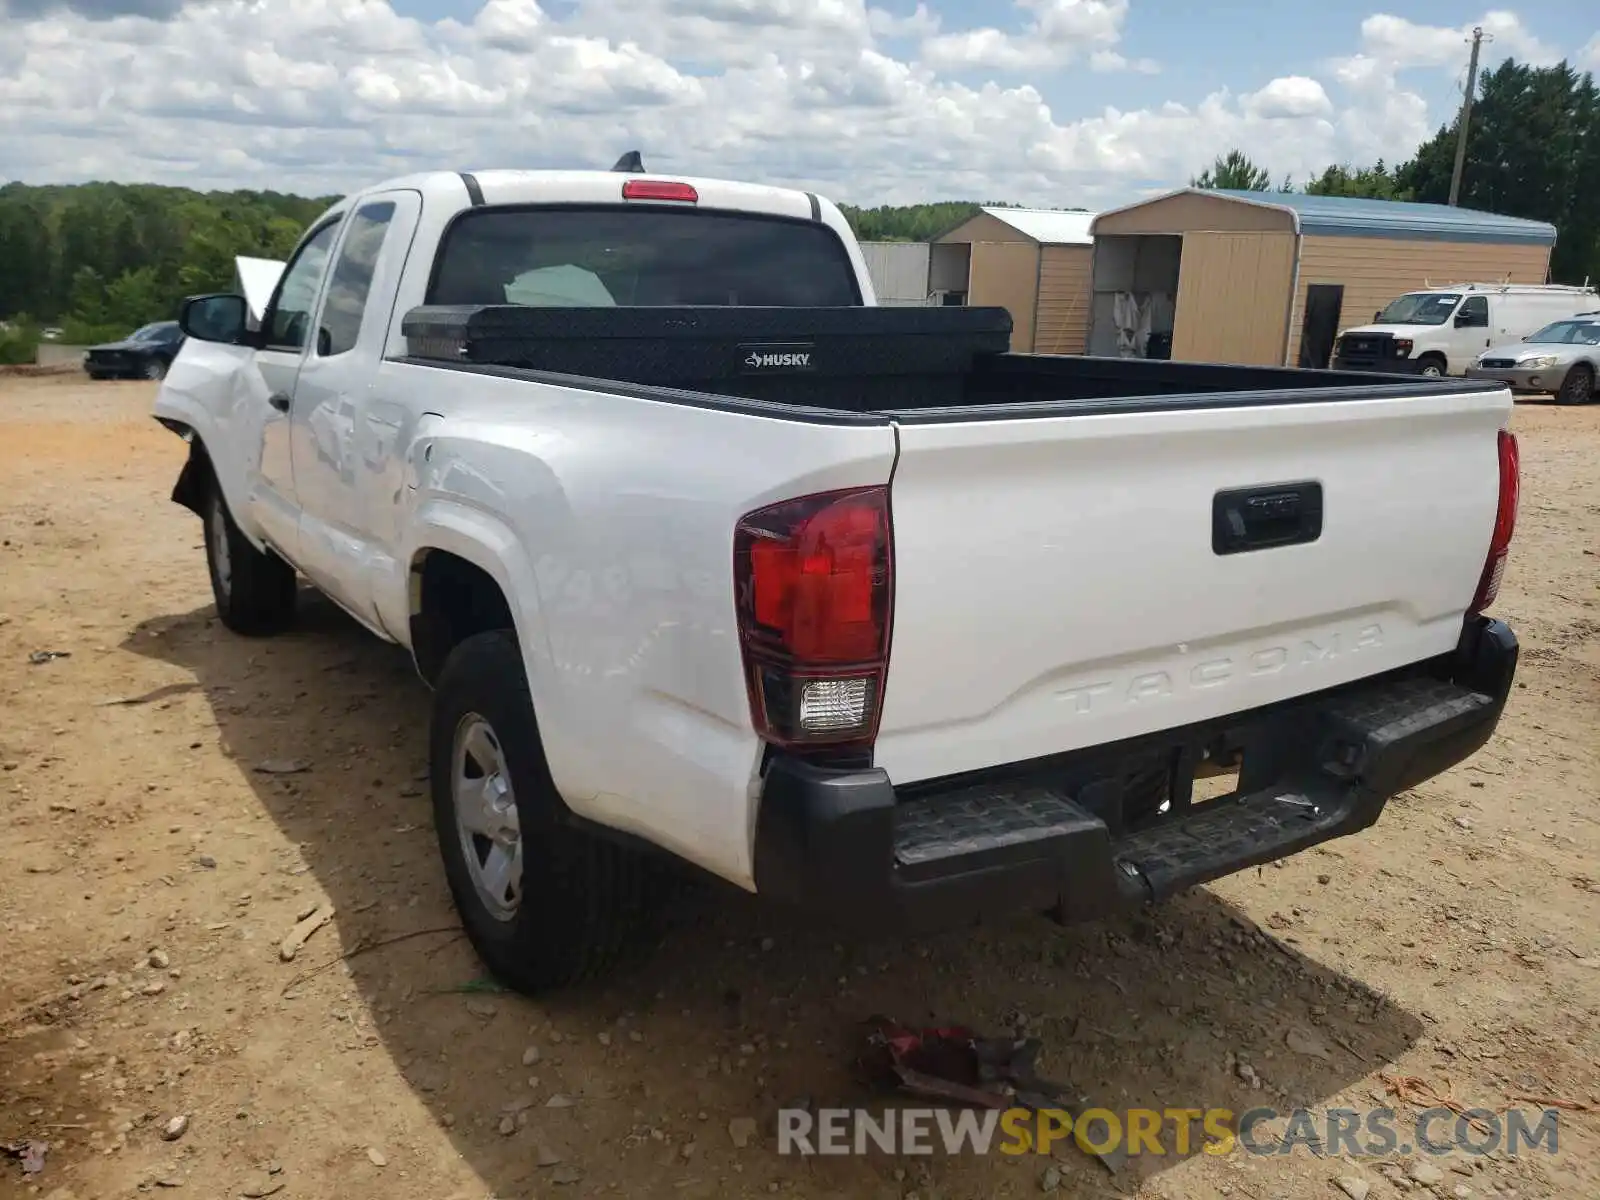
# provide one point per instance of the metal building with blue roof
(1271, 277)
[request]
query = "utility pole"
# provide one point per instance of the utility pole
(1466, 116)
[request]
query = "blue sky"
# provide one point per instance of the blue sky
(1092, 102)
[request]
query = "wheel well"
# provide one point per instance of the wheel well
(451, 599)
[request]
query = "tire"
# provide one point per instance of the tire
(579, 903)
(97, 376)
(1432, 366)
(254, 589)
(153, 369)
(1578, 386)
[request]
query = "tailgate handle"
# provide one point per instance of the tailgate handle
(1258, 518)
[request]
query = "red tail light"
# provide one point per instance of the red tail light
(657, 189)
(813, 583)
(1505, 523)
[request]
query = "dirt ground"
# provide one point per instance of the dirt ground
(149, 870)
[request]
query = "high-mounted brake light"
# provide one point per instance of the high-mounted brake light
(659, 189)
(1505, 523)
(813, 583)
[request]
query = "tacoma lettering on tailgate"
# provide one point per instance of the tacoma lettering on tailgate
(1301, 654)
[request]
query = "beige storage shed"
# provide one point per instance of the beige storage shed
(1034, 262)
(1269, 278)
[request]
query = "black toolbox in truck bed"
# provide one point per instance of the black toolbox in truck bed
(785, 355)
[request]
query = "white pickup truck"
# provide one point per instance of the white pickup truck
(703, 553)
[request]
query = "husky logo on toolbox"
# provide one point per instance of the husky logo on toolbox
(771, 358)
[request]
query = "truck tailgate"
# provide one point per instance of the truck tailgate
(1057, 585)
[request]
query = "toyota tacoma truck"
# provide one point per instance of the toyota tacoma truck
(706, 557)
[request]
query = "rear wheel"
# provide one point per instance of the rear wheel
(254, 589)
(543, 904)
(1578, 386)
(1432, 365)
(153, 368)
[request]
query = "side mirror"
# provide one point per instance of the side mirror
(1377, 316)
(216, 318)
(1462, 321)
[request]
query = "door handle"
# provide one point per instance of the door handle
(1258, 518)
(279, 401)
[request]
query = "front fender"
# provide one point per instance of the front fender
(199, 398)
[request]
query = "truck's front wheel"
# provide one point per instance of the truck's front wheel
(254, 589)
(544, 905)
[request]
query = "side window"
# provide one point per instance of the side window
(352, 279)
(289, 319)
(1475, 312)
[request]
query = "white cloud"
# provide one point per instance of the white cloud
(1404, 43)
(1057, 33)
(328, 95)
(1174, 141)
(1110, 60)
(513, 25)
(1289, 97)
(1386, 115)
(1589, 56)
(720, 32)
(921, 23)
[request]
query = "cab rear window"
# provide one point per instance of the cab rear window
(631, 257)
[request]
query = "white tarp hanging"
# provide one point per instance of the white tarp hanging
(1131, 314)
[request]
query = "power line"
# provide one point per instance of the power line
(1478, 37)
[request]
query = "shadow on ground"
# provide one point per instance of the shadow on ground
(744, 1009)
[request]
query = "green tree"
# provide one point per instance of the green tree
(908, 222)
(143, 247)
(1373, 183)
(25, 252)
(1233, 171)
(19, 340)
(1533, 150)
(133, 296)
(87, 297)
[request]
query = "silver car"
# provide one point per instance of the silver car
(1563, 358)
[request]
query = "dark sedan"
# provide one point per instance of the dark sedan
(145, 353)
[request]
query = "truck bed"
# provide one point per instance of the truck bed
(916, 364)
(1086, 549)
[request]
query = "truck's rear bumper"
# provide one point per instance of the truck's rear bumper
(1051, 835)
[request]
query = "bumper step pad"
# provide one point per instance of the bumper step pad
(984, 819)
(994, 823)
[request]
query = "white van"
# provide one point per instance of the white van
(1442, 330)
